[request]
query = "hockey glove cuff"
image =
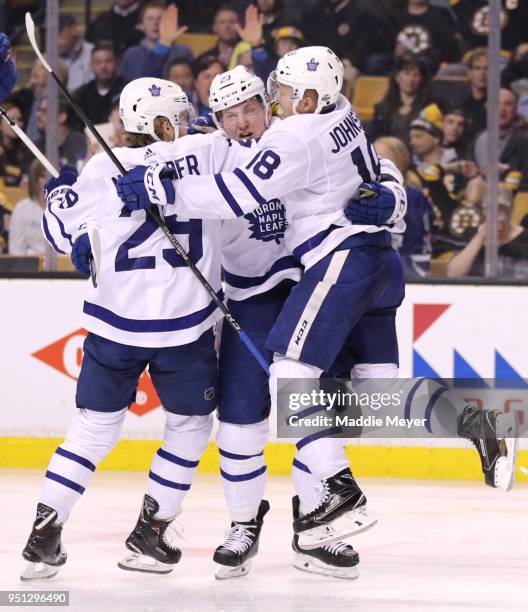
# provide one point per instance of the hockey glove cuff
(82, 251)
(144, 186)
(378, 204)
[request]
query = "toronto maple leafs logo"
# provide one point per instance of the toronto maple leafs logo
(312, 65)
(155, 91)
(267, 222)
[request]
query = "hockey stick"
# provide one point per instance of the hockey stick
(29, 144)
(30, 27)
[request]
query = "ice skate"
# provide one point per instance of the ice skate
(241, 544)
(150, 550)
(44, 549)
(338, 560)
(341, 513)
(495, 436)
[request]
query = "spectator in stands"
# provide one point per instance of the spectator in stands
(407, 94)
(513, 143)
(264, 60)
(414, 245)
(180, 72)
(352, 29)
(113, 131)
(513, 247)
(157, 49)
(14, 158)
(29, 98)
(427, 31)
(72, 144)
(473, 18)
(225, 27)
(272, 18)
(205, 68)
(25, 233)
(95, 98)
(470, 97)
(515, 77)
(241, 56)
(74, 52)
(116, 24)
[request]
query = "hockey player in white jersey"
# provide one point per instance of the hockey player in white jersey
(148, 310)
(316, 162)
(259, 273)
(353, 280)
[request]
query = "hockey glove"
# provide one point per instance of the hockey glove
(144, 186)
(202, 125)
(67, 176)
(378, 204)
(82, 251)
(8, 75)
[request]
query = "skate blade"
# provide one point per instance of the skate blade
(305, 563)
(505, 466)
(39, 571)
(135, 562)
(348, 525)
(226, 572)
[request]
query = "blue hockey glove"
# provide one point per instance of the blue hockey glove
(82, 251)
(375, 206)
(202, 124)
(8, 75)
(144, 186)
(67, 176)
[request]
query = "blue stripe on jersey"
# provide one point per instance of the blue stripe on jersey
(245, 282)
(317, 436)
(65, 481)
(49, 237)
(169, 483)
(150, 325)
(77, 458)
(300, 466)
(177, 460)
(249, 186)
(229, 455)
(242, 477)
(313, 242)
(63, 232)
(228, 196)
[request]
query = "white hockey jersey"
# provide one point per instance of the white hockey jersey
(255, 257)
(314, 164)
(146, 295)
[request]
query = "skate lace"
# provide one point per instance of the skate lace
(336, 548)
(239, 538)
(173, 532)
(323, 492)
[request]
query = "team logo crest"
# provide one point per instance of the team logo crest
(268, 222)
(155, 91)
(312, 65)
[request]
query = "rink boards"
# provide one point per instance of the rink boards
(445, 330)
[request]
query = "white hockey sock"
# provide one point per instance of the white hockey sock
(242, 467)
(324, 457)
(90, 437)
(174, 465)
(306, 487)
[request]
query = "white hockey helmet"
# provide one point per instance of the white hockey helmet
(316, 68)
(233, 87)
(142, 100)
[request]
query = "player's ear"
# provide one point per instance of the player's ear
(308, 104)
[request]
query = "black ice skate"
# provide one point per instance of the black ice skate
(44, 549)
(338, 559)
(151, 552)
(494, 435)
(341, 513)
(241, 544)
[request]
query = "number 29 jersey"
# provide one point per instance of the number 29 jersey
(146, 295)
